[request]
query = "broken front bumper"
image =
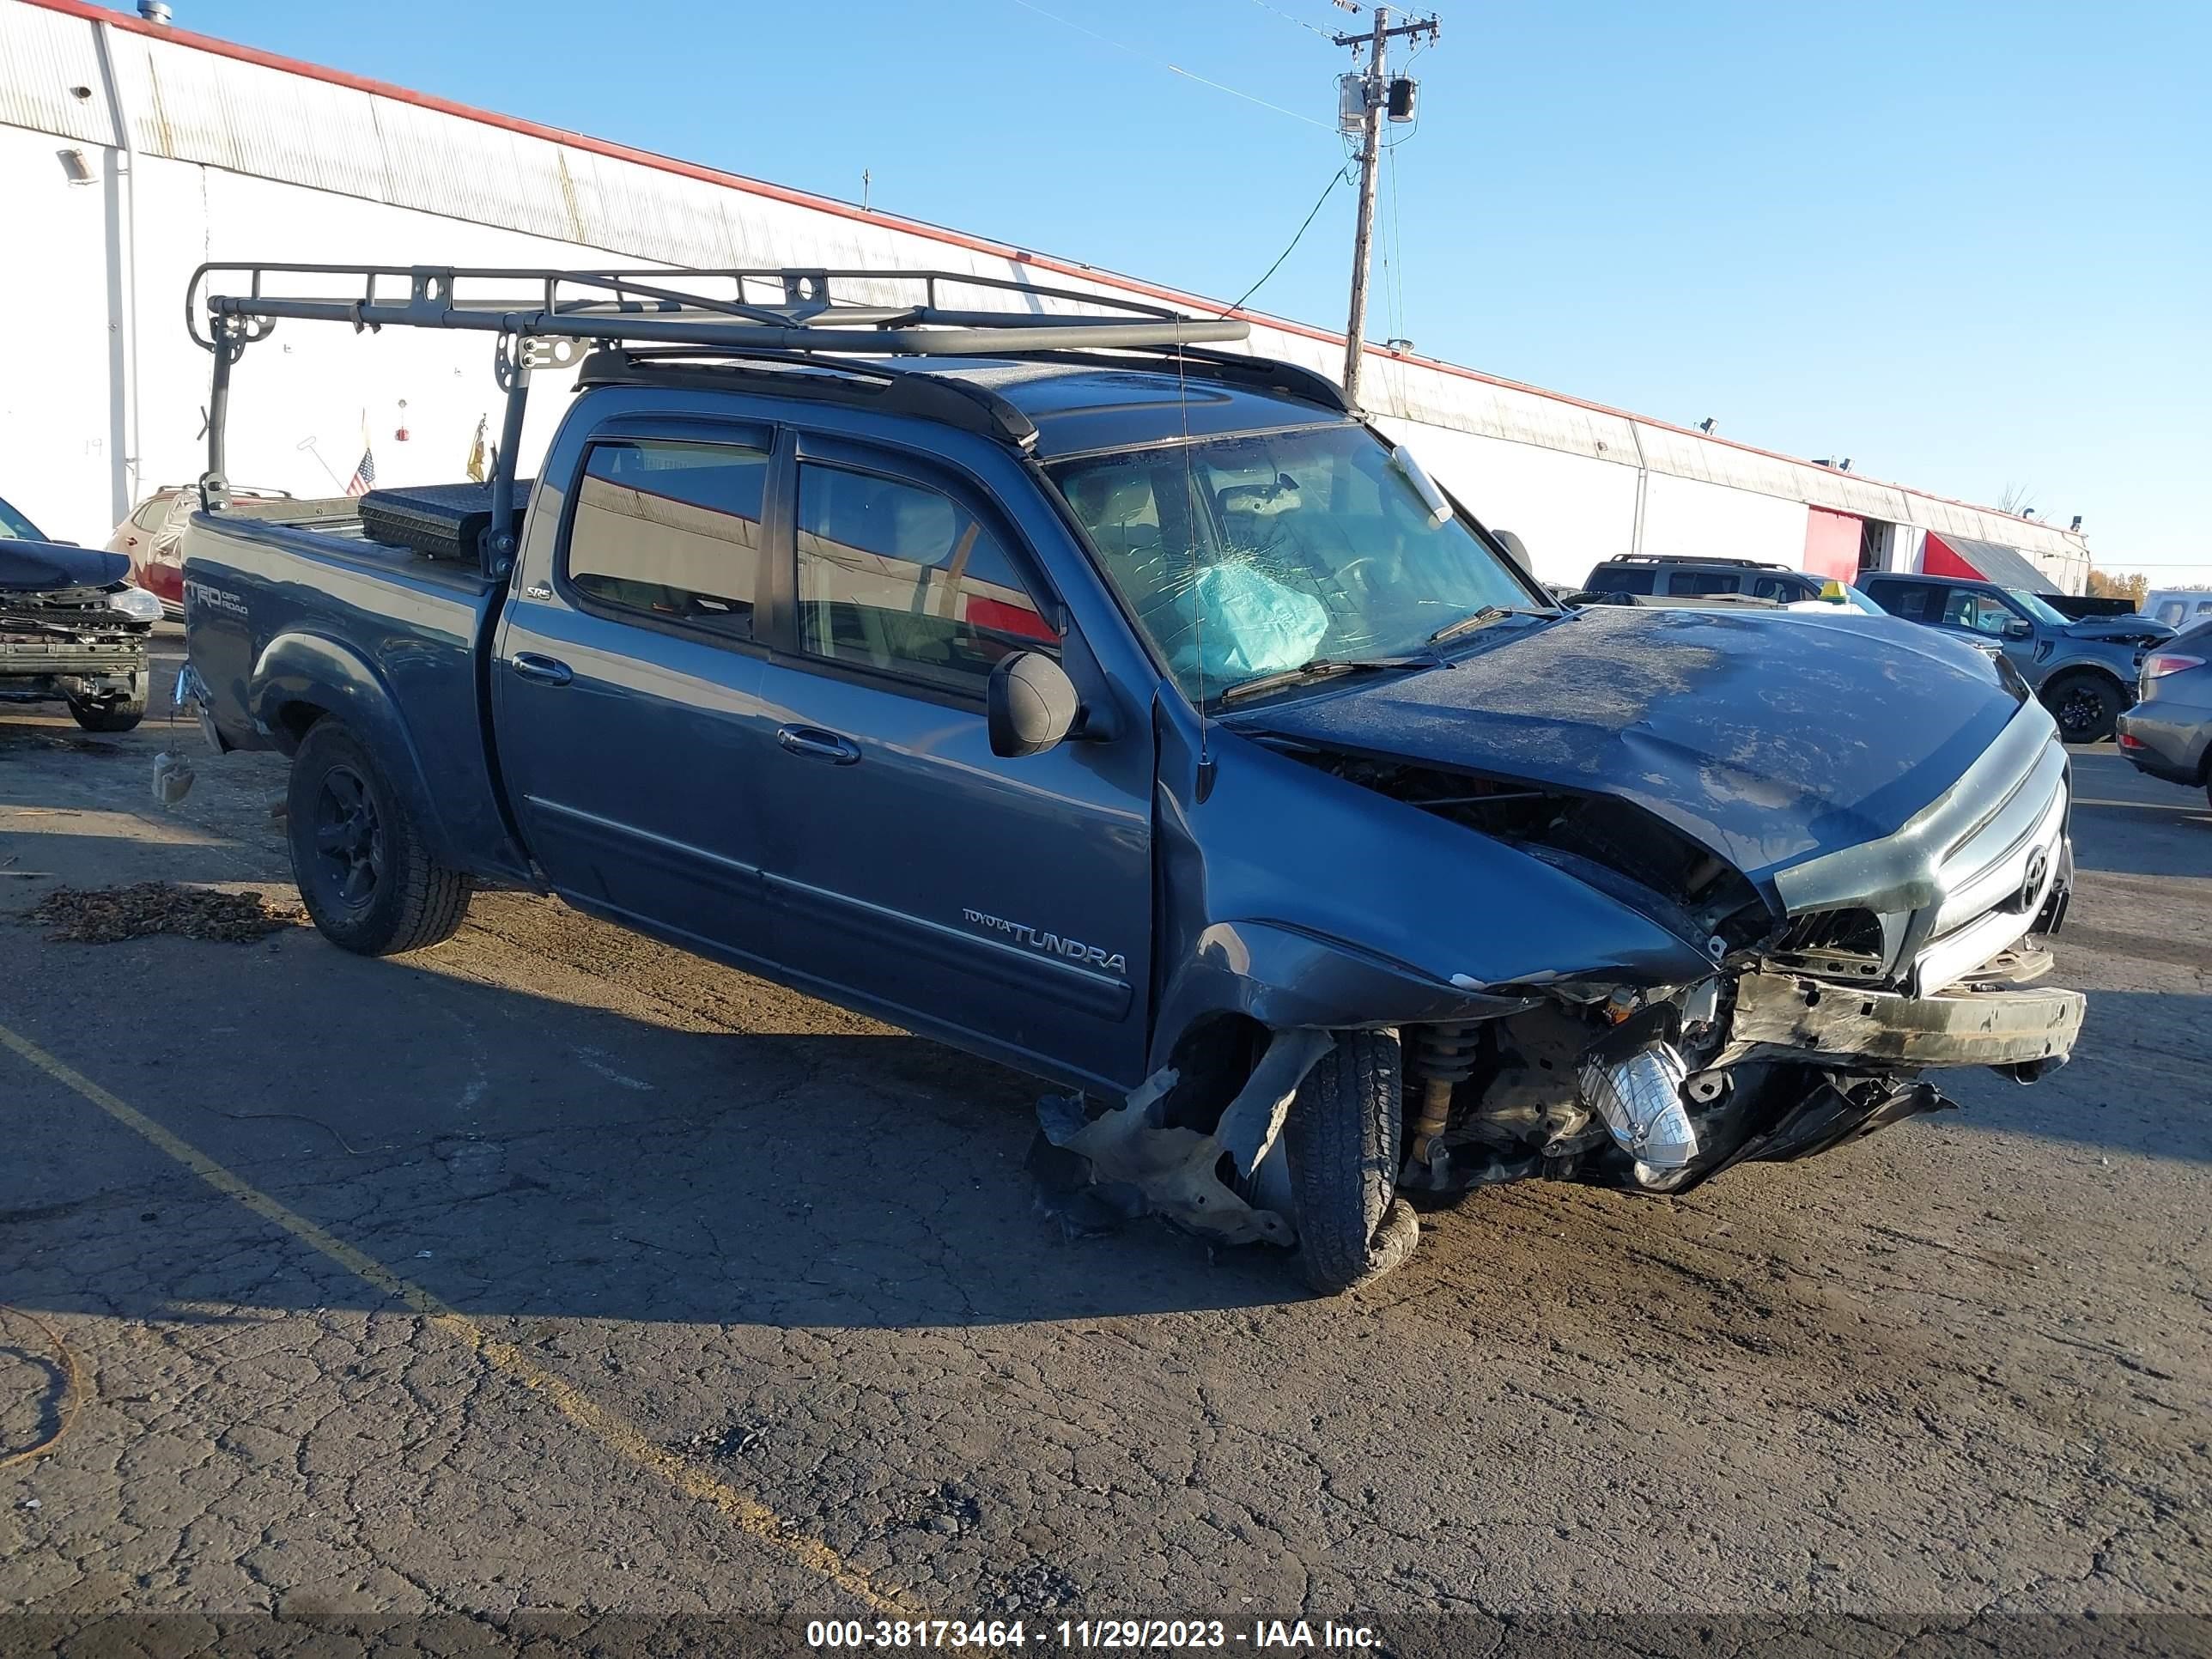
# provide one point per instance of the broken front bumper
(1783, 1017)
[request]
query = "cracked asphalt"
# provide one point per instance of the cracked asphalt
(720, 1304)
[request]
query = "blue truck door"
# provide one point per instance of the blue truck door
(1988, 618)
(1008, 900)
(626, 681)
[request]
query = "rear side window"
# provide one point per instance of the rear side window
(1704, 581)
(899, 577)
(1785, 589)
(1914, 601)
(1621, 579)
(671, 531)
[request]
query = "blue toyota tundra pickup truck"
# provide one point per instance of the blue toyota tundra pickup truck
(1132, 713)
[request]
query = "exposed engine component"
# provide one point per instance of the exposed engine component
(1619, 848)
(1639, 1096)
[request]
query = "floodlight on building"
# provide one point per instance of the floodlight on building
(74, 167)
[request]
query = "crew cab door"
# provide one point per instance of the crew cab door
(626, 679)
(1988, 618)
(1007, 900)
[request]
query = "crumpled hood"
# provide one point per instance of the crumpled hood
(1766, 737)
(2126, 629)
(39, 567)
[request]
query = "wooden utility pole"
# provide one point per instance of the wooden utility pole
(1376, 95)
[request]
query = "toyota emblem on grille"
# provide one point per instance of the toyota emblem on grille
(2038, 866)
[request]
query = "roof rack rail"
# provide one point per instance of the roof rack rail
(691, 307)
(546, 318)
(1696, 558)
(953, 403)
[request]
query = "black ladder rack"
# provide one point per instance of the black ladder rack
(546, 318)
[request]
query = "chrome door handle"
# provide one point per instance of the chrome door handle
(546, 670)
(815, 744)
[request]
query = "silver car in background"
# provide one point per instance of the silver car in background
(2168, 733)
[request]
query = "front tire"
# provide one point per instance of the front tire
(368, 883)
(2087, 707)
(1343, 1140)
(117, 715)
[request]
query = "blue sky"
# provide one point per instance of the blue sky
(1969, 246)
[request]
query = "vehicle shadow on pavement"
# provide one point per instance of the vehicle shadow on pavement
(522, 1155)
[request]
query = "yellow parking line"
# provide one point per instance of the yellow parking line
(619, 1437)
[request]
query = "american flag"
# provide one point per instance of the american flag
(364, 476)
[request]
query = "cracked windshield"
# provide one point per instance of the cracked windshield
(1250, 557)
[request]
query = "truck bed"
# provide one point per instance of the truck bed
(290, 619)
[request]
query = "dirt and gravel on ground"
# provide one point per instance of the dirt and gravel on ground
(560, 1273)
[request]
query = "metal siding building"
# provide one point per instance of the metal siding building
(130, 153)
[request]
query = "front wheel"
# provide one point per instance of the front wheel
(1344, 1139)
(368, 883)
(2086, 706)
(114, 714)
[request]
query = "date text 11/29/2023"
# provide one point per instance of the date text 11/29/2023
(1117, 1634)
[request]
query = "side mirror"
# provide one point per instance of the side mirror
(1030, 706)
(2018, 629)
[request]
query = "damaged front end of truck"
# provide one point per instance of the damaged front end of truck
(1640, 897)
(1835, 982)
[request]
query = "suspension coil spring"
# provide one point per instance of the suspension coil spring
(1445, 1054)
(1441, 1055)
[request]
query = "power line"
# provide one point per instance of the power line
(1172, 69)
(1334, 179)
(1314, 28)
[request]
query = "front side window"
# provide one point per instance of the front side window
(2036, 606)
(1247, 556)
(671, 531)
(154, 514)
(902, 578)
(15, 527)
(1979, 613)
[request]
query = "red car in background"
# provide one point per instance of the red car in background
(150, 535)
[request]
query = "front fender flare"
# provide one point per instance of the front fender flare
(1284, 976)
(300, 669)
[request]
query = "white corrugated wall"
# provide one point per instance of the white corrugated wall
(241, 160)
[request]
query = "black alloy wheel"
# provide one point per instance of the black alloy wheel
(349, 840)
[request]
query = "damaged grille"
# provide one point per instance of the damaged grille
(1842, 944)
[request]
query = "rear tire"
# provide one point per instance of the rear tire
(368, 883)
(118, 715)
(2087, 707)
(1344, 1138)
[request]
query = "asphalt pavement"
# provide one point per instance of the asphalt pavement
(556, 1275)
